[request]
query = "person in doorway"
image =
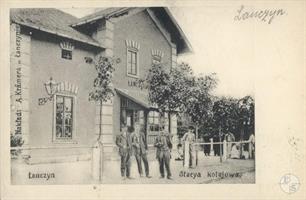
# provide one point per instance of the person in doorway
(123, 141)
(140, 148)
(163, 146)
(190, 138)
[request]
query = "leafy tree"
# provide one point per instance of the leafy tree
(199, 103)
(169, 89)
(103, 89)
(246, 116)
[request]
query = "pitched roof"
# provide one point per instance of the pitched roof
(98, 15)
(52, 21)
(162, 13)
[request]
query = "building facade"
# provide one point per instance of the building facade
(52, 75)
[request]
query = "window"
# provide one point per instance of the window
(132, 68)
(66, 54)
(63, 117)
(154, 120)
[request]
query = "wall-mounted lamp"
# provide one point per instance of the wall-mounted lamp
(50, 87)
(88, 60)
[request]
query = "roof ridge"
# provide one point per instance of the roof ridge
(68, 14)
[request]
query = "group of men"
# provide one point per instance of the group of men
(132, 141)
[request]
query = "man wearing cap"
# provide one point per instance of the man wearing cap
(140, 148)
(163, 146)
(123, 141)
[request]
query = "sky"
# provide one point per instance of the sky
(220, 45)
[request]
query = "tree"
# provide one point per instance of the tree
(225, 116)
(246, 116)
(199, 103)
(103, 89)
(168, 89)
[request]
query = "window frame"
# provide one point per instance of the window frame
(132, 50)
(156, 59)
(73, 132)
(62, 50)
(154, 118)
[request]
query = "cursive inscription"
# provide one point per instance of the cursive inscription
(266, 15)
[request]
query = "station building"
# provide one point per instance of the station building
(52, 76)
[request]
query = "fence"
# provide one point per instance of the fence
(97, 153)
(225, 150)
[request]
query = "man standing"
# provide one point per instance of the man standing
(189, 138)
(123, 141)
(163, 146)
(140, 150)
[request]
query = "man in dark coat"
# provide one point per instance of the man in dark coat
(163, 146)
(140, 148)
(123, 141)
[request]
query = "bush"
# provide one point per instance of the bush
(16, 141)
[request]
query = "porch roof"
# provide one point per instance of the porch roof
(140, 98)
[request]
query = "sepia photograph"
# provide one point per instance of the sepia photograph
(165, 99)
(122, 95)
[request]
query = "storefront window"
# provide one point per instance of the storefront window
(64, 117)
(154, 120)
(141, 117)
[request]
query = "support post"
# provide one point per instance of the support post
(224, 149)
(211, 153)
(186, 154)
(97, 161)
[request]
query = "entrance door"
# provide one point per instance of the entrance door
(130, 118)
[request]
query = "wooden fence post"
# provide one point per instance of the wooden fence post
(224, 150)
(186, 154)
(211, 153)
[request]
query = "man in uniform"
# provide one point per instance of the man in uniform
(190, 138)
(163, 146)
(140, 148)
(123, 141)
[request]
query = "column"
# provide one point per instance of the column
(104, 35)
(173, 55)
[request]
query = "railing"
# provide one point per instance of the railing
(223, 150)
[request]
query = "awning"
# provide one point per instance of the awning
(140, 98)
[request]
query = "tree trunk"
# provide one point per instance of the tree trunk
(196, 132)
(241, 139)
(100, 121)
(169, 125)
(196, 140)
(220, 147)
